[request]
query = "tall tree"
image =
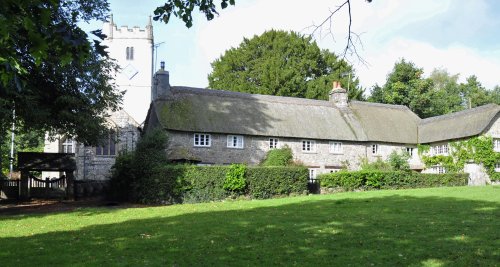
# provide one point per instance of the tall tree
(282, 63)
(51, 74)
(405, 86)
(54, 78)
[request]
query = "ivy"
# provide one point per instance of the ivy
(476, 149)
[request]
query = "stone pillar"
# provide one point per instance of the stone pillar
(25, 186)
(70, 185)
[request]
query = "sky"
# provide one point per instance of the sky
(460, 36)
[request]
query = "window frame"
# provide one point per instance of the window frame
(273, 142)
(203, 143)
(129, 53)
(235, 141)
(68, 142)
(375, 150)
(496, 144)
(109, 147)
(443, 149)
(340, 147)
(410, 151)
(497, 167)
(308, 143)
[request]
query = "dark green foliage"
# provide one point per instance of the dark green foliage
(50, 73)
(279, 157)
(390, 180)
(266, 182)
(203, 183)
(183, 9)
(284, 64)
(235, 178)
(190, 184)
(438, 94)
(122, 177)
(135, 176)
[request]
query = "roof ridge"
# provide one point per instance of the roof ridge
(381, 105)
(269, 98)
(459, 113)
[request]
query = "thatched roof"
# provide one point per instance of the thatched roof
(214, 111)
(466, 123)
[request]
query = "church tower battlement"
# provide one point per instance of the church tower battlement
(132, 48)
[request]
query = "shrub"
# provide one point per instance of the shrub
(135, 174)
(378, 165)
(399, 162)
(122, 177)
(390, 180)
(279, 157)
(235, 178)
(266, 182)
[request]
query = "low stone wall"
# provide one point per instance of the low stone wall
(90, 188)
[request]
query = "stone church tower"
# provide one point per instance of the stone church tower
(132, 49)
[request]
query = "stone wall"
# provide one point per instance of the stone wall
(181, 145)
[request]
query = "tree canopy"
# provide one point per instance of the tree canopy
(438, 94)
(284, 64)
(54, 78)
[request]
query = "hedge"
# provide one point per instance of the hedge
(390, 180)
(190, 184)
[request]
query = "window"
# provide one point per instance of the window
(273, 142)
(334, 170)
(202, 140)
(496, 145)
(308, 146)
(440, 149)
(107, 145)
(312, 175)
(130, 53)
(497, 167)
(375, 150)
(68, 146)
(438, 169)
(336, 147)
(235, 141)
(409, 150)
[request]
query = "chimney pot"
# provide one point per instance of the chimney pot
(162, 65)
(338, 95)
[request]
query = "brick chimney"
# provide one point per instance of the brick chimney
(161, 83)
(338, 95)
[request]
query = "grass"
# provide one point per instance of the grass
(457, 226)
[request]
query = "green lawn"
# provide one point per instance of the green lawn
(457, 226)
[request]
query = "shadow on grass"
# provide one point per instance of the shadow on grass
(385, 231)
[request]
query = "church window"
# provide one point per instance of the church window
(68, 146)
(107, 145)
(130, 53)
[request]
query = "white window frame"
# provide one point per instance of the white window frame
(496, 144)
(308, 146)
(410, 151)
(313, 173)
(497, 167)
(202, 140)
(336, 147)
(274, 143)
(375, 149)
(438, 169)
(235, 141)
(68, 143)
(440, 149)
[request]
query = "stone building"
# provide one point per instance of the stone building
(222, 127)
(132, 48)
